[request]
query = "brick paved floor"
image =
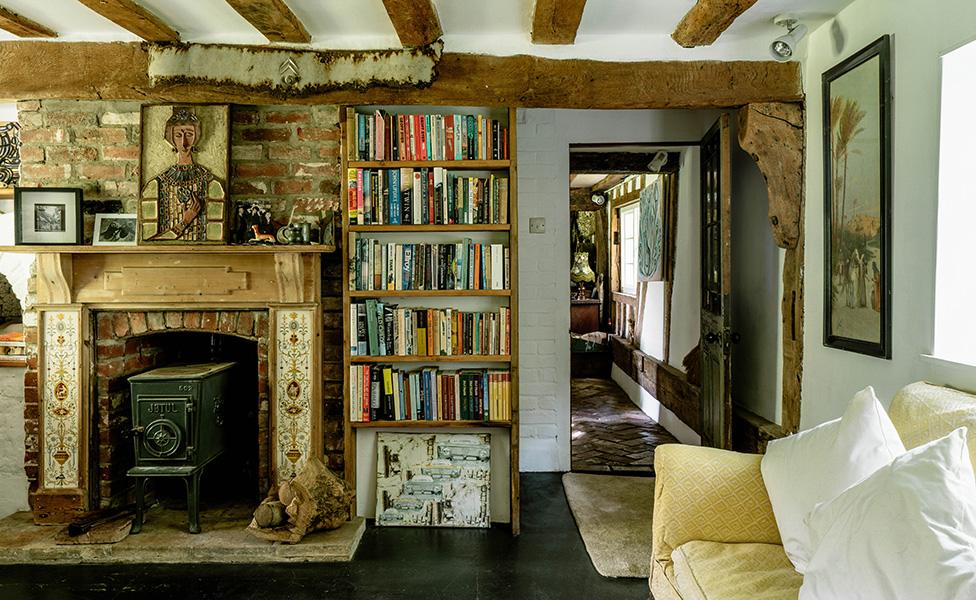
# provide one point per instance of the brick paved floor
(610, 434)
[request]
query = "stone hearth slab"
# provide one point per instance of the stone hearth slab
(165, 539)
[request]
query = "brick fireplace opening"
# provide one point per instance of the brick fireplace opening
(131, 342)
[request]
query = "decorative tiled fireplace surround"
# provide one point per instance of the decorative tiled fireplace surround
(105, 316)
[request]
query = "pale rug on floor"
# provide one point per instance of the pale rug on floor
(613, 514)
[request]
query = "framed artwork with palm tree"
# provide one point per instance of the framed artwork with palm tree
(857, 206)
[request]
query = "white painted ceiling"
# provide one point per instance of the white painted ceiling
(610, 29)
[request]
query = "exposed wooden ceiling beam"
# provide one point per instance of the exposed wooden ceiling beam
(22, 26)
(273, 19)
(556, 21)
(619, 163)
(415, 21)
(133, 17)
(119, 71)
(707, 20)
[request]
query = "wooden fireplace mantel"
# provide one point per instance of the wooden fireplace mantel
(74, 283)
(240, 276)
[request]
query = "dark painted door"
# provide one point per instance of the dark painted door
(716, 272)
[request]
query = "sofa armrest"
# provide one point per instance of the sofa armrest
(711, 495)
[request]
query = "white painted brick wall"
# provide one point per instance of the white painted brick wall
(13, 481)
(544, 136)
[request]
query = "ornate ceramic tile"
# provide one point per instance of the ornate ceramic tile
(294, 338)
(60, 397)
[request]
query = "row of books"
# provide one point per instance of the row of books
(465, 265)
(384, 329)
(383, 136)
(385, 393)
(424, 197)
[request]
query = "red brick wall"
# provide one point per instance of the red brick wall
(277, 153)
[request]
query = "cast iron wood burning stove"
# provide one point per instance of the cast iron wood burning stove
(178, 427)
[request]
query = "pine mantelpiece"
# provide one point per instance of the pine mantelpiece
(239, 276)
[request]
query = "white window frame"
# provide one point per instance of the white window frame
(628, 216)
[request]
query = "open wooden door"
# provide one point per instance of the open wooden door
(716, 297)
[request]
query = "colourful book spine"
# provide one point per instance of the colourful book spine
(395, 205)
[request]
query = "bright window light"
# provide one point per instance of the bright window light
(629, 222)
(955, 286)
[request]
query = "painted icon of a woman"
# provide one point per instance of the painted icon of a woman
(184, 189)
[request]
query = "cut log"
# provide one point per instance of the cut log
(270, 513)
(319, 500)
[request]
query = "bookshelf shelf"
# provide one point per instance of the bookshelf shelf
(427, 424)
(498, 358)
(357, 432)
(428, 228)
(424, 293)
(484, 165)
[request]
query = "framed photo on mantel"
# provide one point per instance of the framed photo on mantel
(47, 216)
(857, 206)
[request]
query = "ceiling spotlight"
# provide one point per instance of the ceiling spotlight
(657, 163)
(598, 199)
(784, 46)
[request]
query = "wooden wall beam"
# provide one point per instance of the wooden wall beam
(273, 19)
(415, 21)
(772, 133)
(556, 21)
(707, 19)
(133, 17)
(21, 26)
(119, 71)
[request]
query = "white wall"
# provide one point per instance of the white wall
(13, 480)
(757, 289)
(922, 31)
(544, 136)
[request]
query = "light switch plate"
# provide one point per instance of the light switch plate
(537, 224)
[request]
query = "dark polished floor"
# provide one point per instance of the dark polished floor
(548, 561)
(610, 433)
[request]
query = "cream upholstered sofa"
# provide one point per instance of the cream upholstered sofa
(714, 534)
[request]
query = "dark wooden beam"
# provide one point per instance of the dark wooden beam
(133, 17)
(273, 19)
(707, 19)
(22, 26)
(119, 71)
(556, 21)
(415, 21)
(624, 163)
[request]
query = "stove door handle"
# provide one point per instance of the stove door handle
(138, 430)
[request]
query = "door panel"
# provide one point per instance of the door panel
(716, 203)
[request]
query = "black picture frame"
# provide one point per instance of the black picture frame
(48, 216)
(856, 258)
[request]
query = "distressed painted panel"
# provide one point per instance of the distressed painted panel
(61, 397)
(294, 366)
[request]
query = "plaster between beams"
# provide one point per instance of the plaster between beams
(262, 68)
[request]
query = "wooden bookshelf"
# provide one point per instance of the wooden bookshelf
(474, 165)
(424, 293)
(508, 297)
(503, 358)
(427, 424)
(428, 228)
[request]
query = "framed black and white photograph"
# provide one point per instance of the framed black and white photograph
(115, 229)
(857, 203)
(47, 216)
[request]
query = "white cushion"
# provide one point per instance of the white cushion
(907, 532)
(813, 466)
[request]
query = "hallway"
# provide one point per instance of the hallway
(610, 433)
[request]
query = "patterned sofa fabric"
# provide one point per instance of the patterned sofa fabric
(717, 571)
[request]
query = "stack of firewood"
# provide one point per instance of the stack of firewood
(315, 499)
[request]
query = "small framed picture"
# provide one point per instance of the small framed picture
(115, 229)
(47, 216)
